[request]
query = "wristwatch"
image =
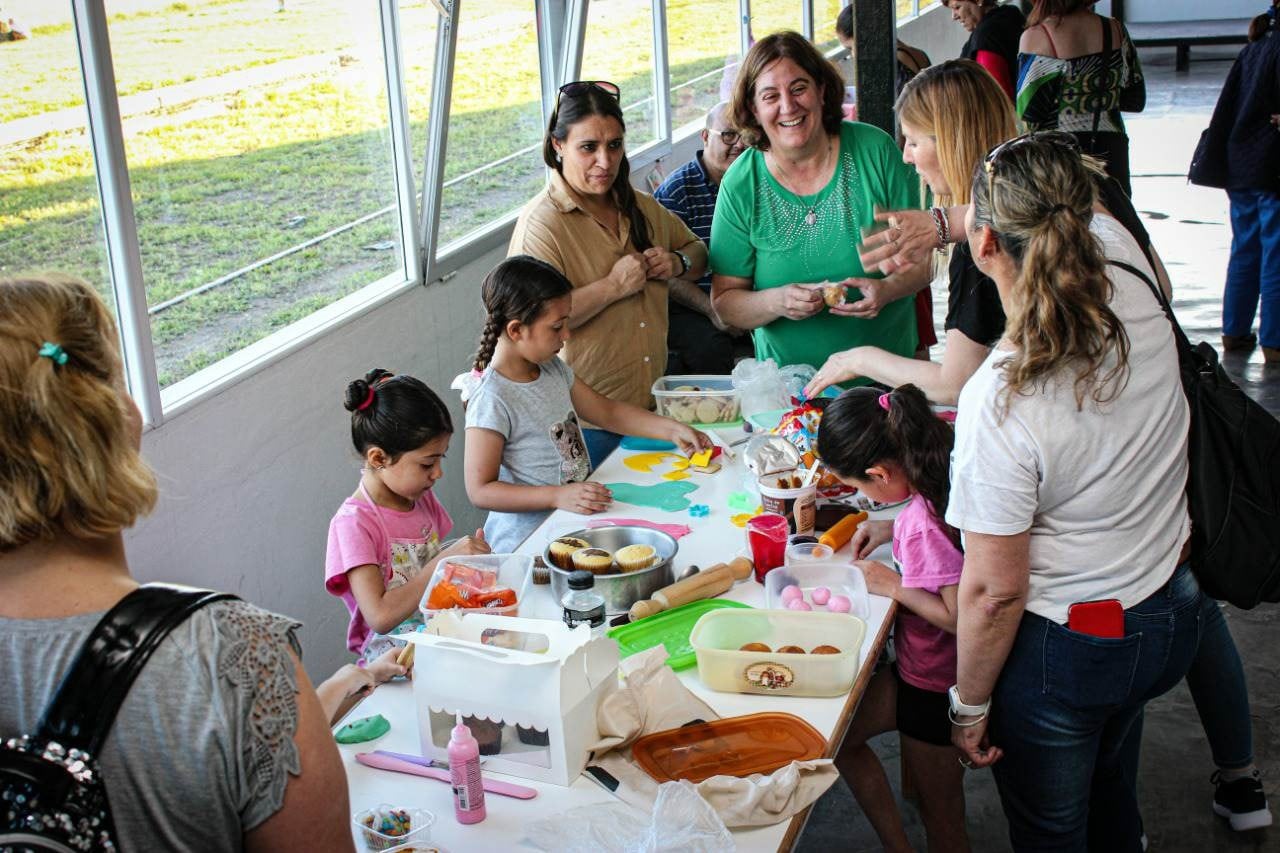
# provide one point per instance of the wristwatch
(684, 259)
(960, 709)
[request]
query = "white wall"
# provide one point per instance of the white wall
(250, 478)
(1154, 11)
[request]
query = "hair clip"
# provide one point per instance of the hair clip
(53, 352)
(368, 401)
(883, 400)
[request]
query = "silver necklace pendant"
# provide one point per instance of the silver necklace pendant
(810, 217)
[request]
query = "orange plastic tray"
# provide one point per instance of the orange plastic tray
(734, 746)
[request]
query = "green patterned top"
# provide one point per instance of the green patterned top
(766, 233)
(1063, 94)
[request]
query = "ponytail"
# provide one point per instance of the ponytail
(1037, 194)
(863, 427)
(516, 289)
(394, 413)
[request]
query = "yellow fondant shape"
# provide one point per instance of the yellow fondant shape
(645, 461)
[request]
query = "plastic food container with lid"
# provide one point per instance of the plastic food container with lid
(499, 571)
(719, 636)
(733, 746)
(701, 400)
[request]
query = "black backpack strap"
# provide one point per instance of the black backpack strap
(1184, 343)
(83, 709)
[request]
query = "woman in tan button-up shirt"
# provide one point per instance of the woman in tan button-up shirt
(618, 248)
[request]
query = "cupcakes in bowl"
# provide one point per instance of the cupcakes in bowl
(598, 561)
(560, 551)
(633, 558)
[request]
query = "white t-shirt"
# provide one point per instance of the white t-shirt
(544, 443)
(1102, 490)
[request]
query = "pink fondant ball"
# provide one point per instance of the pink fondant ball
(791, 593)
(821, 595)
(798, 604)
(839, 604)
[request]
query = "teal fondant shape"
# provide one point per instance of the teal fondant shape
(667, 496)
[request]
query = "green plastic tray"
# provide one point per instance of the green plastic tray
(670, 629)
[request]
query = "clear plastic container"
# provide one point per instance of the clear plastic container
(723, 664)
(702, 400)
(509, 571)
(419, 831)
(839, 579)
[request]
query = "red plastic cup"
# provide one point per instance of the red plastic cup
(767, 538)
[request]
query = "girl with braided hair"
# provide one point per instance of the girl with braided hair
(525, 453)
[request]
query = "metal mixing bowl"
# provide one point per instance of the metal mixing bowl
(621, 591)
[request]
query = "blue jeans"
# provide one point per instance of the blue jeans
(1067, 711)
(1218, 688)
(1253, 273)
(600, 443)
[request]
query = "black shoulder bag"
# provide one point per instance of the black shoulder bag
(1233, 483)
(53, 793)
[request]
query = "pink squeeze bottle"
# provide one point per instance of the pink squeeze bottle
(464, 773)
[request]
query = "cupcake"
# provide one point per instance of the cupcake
(633, 558)
(487, 733)
(598, 561)
(562, 550)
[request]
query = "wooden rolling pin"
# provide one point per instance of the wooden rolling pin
(705, 584)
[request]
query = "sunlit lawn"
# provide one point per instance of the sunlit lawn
(239, 175)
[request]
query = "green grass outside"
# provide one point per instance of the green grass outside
(218, 190)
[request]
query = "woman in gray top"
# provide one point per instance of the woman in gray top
(222, 720)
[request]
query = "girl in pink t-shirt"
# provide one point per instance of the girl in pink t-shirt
(892, 447)
(384, 541)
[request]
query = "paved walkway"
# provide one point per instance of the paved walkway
(1189, 227)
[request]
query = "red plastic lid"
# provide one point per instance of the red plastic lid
(734, 746)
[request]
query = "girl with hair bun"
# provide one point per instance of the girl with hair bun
(525, 453)
(385, 540)
(892, 448)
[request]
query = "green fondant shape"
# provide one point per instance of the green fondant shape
(363, 729)
(668, 496)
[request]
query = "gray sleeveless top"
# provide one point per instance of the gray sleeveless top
(203, 746)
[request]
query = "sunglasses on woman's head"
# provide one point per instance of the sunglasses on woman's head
(1055, 137)
(580, 87)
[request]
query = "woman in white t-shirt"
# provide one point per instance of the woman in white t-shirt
(1068, 480)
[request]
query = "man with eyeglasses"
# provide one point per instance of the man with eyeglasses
(697, 342)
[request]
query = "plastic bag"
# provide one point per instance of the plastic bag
(681, 821)
(760, 386)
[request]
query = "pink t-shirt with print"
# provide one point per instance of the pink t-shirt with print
(928, 560)
(357, 539)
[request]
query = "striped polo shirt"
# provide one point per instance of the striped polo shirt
(689, 194)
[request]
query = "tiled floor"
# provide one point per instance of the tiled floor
(1189, 227)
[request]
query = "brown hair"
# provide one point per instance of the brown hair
(571, 109)
(964, 109)
(1037, 194)
(784, 45)
(1042, 9)
(70, 464)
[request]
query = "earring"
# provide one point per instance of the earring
(557, 156)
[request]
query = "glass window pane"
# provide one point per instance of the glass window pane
(419, 22)
(702, 50)
(618, 47)
(493, 163)
(825, 13)
(769, 16)
(260, 157)
(50, 217)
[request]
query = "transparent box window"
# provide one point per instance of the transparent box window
(50, 215)
(702, 53)
(261, 165)
(493, 164)
(618, 47)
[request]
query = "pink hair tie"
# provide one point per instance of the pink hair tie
(883, 400)
(368, 401)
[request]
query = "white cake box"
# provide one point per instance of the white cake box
(537, 681)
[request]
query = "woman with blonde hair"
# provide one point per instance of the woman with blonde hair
(224, 691)
(951, 114)
(1077, 603)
